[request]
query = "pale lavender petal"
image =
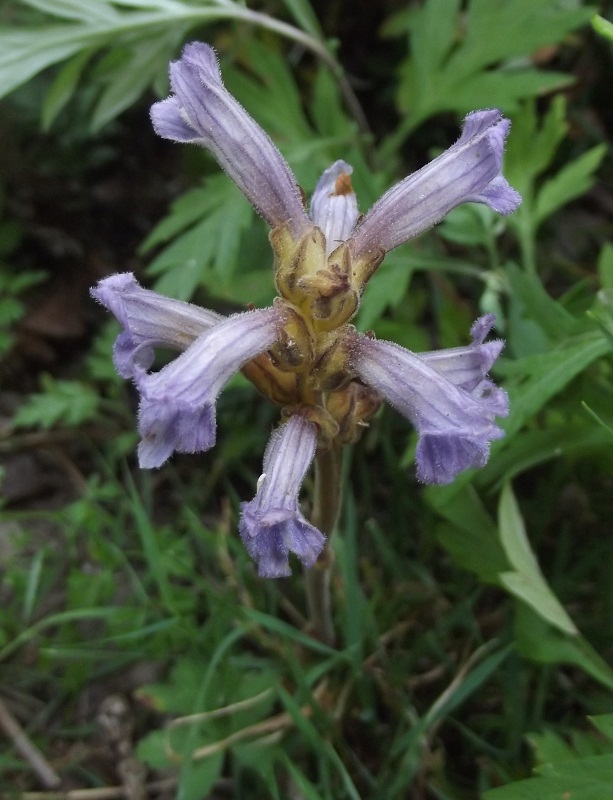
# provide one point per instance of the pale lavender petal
(469, 171)
(466, 367)
(201, 104)
(481, 327)
(149, 320)
(455, 424)
(177, 409)
(271, 525)
(334, 207)
(169, 122)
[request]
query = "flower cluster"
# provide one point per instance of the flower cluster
(302, 352)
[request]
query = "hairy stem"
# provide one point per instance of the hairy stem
(326, 506)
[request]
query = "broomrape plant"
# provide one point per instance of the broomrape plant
(302, 352)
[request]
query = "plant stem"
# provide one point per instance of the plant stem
(326, 506)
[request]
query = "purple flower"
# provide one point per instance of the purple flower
(445, 394)
(300, 352)
(177, 408)
(149, 320)
(271, 525)
(467, 172)
(202, 111)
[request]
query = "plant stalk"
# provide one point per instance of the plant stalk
(326, 507)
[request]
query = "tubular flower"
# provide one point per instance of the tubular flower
(445, 394)
(302, 353)
(149, 320)
(271, 524)
(204, 112)
(177, 408)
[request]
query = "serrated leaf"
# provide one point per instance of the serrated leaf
(326, 108)
(386, 289)
(604, 723)
(533, 145)
(503, 29)
(65, 402)
(549, 746)
(504, 88)
(205, 252)
(272, 97)
(440, 77)
(188, 209)
(434, 31)
(593, 782)
(177, 694)
(140, 70)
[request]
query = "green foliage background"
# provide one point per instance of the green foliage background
(475, 620)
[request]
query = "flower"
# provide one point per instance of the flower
(177, 408)
(302, 352)
(204, 112)
(271, 524)
(445, 394)
(467, 172)
(149, 320)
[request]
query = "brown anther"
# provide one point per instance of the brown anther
(342, 185)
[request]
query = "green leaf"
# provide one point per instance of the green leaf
(198, 777)
(472, 537)
(25, 52)
(588, 779)
(533, 145)
(605, 266)
(141, 67)
(603, 26)
(530, 448)
(503, 29)
(303, 13)
(453, 52)
(213, 220)
(527, 582)
(537, 640)
(434, 32)
(570, 182)
(65, 402)
(604, 723)
(100, 10)
(63, 88)
(538, 307)
(583, 770)
(386, 289)
(540, 377)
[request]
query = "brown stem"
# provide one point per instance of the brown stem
(326, 507)
(46, 774)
